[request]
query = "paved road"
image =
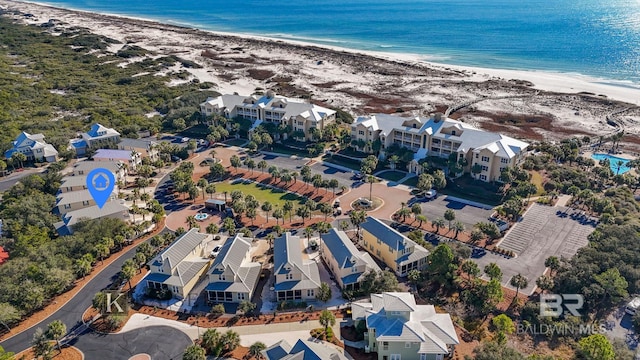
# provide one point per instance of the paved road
(9, 181)
(296, 163)
(160, 342)
(71, 313)
(467, 214)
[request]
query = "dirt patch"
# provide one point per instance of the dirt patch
(68, 353)
(359, 354)
(240, 352)
(349, 333)
(259, 74)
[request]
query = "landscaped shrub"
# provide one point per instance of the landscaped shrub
(285, 305)
(162, 294)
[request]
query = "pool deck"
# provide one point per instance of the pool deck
(624, 156)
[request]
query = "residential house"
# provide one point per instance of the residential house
(117, 168)
(146, 148)
(302, 350)
(296, 279)
(298, 114)
(399, 329)
(179, 267)
(112, 209)
(397, 251)
(96, 137)
(233, 276)
(346, 263)
(33, 147)
(127, 157)
(440, 137)
(76, 200)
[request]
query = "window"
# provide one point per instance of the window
(485, 158)
(423, 356)
(289, 276)
(221, 277)
(379, 241)
(67, 206)
(395, 357)
(385, 345)
(241, 296)
(504, 161)
(361, 132)
(407, 345)
(453, 133)
(354, 269)
(477, 156)
(378, 253)
(483, 177)
(86, 202)
(371, 247)
(310, 293)
(390, 249)
(485, 168)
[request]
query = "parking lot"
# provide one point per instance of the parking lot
(294, 163)
(544, 231)
(467, 214)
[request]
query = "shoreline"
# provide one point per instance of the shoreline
(553, 105)
(547, 80)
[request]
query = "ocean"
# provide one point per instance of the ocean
(598, 38)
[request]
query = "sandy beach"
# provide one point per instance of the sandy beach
(526, 104)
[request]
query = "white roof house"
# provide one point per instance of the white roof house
(301, 350)
(97, 134)
(394, 319)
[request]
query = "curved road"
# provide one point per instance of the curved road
(119, 345)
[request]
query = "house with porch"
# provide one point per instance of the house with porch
(96, 137)
(348, 265)
(179, 267)
(397, 251)
(295, 279)
(298, 114)
(33, 147)
(130, 158)
(439, 136)
(146, 148)
(301, 350)
(233, 276)
(399, 329)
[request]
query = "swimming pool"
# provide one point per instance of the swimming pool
(613, 163)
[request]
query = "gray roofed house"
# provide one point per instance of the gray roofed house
(397, 251)
(146, 148)
(233, 276)
(179, 267)
(348, 265)
(398, 328)
(117, 168)
(112, 209)
(296, 279)
(76, 200)
(299, 114)
(301, 350)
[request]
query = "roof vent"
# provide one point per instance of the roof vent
(271, 94)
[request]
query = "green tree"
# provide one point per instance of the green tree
(235, 162)
(504, 324)
(41, 345)
(210, 340)
(545, 283)
(246, 307)
(449, 215)
(421, 218)
(55, 330)
(439, 180)
(475, 236)
(327, 319)
(425, 182)
(471, 269)
(493, 271)
(495, 351)
(324, 292)
(128, 271)
(441, 267)
(262, 165)
(19, 158)
(596, 347)
(457, 228)
(438, 223)
(194, 352)
(230, 340)
(8, 314)
(6, 355)
(613, 285)
(519, 282)
(288, 208)
(102, 251)
(267, 207)
(416, 209)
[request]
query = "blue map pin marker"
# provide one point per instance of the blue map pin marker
(100, 183)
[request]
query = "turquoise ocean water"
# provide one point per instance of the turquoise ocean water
(599, 38)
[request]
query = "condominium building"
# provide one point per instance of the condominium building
(397, 251)
(440, 137)
(299, 114)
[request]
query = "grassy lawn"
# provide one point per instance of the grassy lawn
(282, 149)
(235, 142)
(275, 196)
(475, 190)
(199, 131)
(354, 153)
(411, 181)
(536, 179)
(392, 175)
(339, 160)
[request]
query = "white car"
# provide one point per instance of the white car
(431, 194)
(215, 251)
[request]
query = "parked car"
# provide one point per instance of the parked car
(336, 203)
(431, 194)
(501, 224)
(215, 251)
(185, 139)
(357, 175)
(633, 306)
(338, 211)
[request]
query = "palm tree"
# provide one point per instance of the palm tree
(262, 165)
(449, 215)
(202, 184)
(194, 352)
(288, 208)
(230, 341)
(213, 153)
(457, 227)
(191, 221)
(210, 189)
(619, 164)
(55, 330)
(476, 235)
(267, 207)
(102, 251)
(256, 348)
(20, 158)
(371, 179)
(308, 231)
(210, 340)
(421, 218)
(438, 223)
(270, 237)
(519, 282)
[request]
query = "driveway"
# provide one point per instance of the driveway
(545, 233)
(392, 197)
(10, 180)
